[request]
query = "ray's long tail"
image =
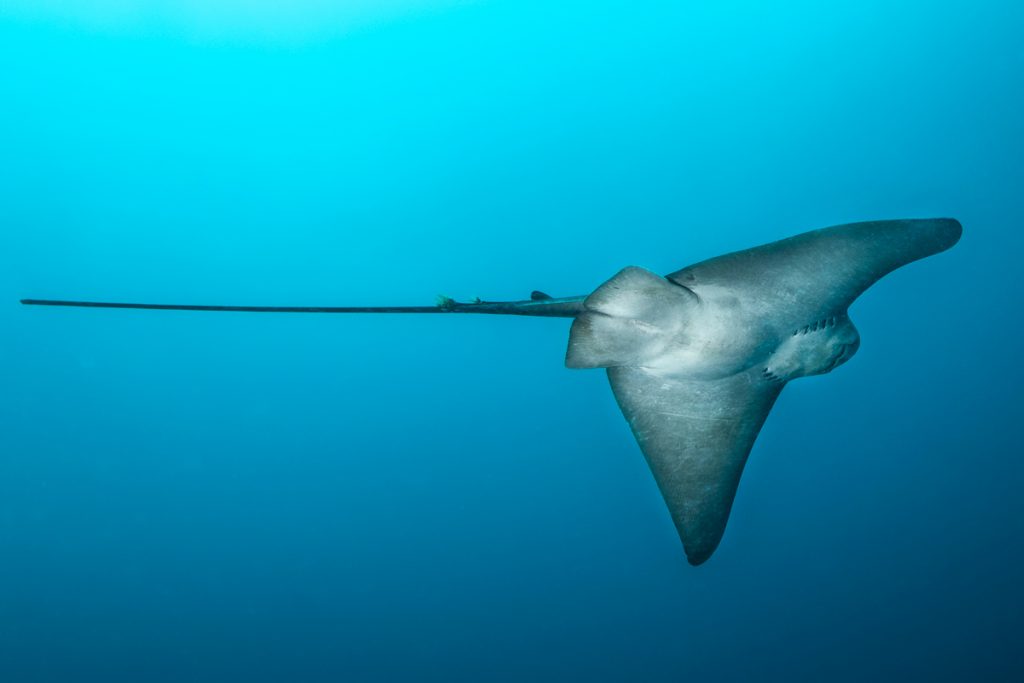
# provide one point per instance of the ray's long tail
(539, 304)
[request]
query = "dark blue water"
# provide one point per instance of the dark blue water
(204, 497)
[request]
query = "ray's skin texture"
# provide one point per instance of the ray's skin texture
(696, 359)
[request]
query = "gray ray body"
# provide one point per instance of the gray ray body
(696, 359)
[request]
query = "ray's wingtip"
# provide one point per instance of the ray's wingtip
(697, 559)
(952, 230)
(697, 556)
(937, 234)
(956, 225)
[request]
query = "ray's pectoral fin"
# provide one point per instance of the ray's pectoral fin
(696, 436)
(628, 320)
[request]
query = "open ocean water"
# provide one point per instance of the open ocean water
(231, 497)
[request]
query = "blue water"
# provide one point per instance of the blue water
(203, 497)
